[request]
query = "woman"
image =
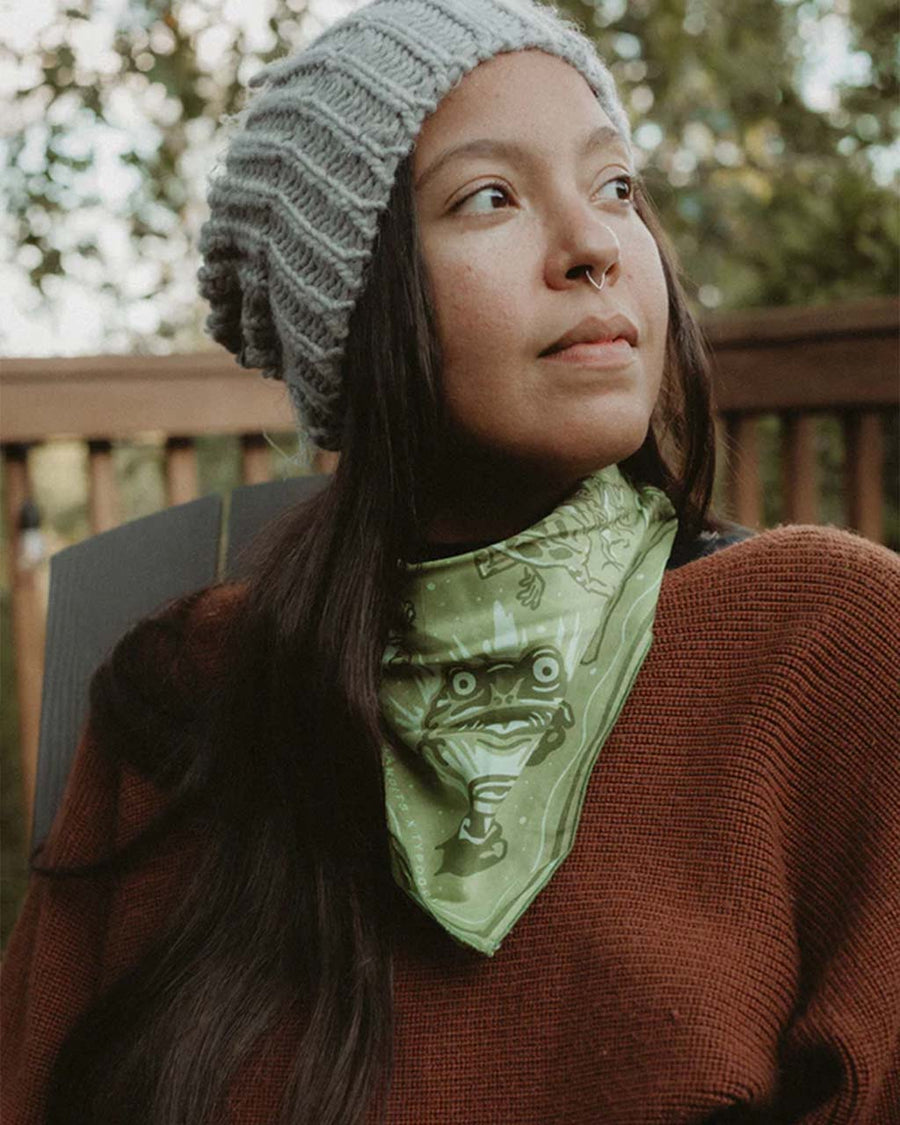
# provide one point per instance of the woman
(338, 794)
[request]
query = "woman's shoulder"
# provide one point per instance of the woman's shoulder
(187, 630)
(160, 678)
(813, 578)
(805, 553)
(178, 646)
(798, 623)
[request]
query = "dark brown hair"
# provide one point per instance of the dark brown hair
(277, 756)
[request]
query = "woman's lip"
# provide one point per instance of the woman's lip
(598, 353)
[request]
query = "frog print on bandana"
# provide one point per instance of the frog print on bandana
(490, 720)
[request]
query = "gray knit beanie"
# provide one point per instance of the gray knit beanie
(294, 212)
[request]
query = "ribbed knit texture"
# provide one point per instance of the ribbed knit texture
(294, 212)
(724, 933)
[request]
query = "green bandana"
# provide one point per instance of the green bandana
(514, 666)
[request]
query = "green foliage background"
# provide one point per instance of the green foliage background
(767, 200)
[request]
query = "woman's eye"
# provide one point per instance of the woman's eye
(619, 183)
(497, 188)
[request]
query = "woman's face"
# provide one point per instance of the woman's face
(506, 235)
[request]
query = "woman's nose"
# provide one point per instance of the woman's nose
(592, 248)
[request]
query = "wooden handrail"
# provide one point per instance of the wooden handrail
(113, 396)
(840, 356)
(865, 315)
(833, 357)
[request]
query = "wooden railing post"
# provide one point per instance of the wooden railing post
(743, 469)
(798, 466)
(103, 499)
(863, 461)
(25, 553)
(181, 470)
(256, 465)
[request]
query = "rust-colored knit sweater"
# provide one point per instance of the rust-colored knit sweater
(722, 944)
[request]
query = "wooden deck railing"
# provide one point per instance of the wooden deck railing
(799, 363)
(796, 363)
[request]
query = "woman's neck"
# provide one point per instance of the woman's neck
(482, 498)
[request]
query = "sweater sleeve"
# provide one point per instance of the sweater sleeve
(840, 1059)
(54, 957)
(75, 935)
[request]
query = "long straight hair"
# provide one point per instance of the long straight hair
(276, 755)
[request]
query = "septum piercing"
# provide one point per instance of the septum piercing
(587, 274)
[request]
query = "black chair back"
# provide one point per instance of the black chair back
(102, 586)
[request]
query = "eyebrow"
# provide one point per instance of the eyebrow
(485, 146)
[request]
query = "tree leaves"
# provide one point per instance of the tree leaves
(768, 200)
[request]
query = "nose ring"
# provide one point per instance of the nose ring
(587, 274)
(587, 270)
(593, 282)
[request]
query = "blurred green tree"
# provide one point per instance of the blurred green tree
(769, 200)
